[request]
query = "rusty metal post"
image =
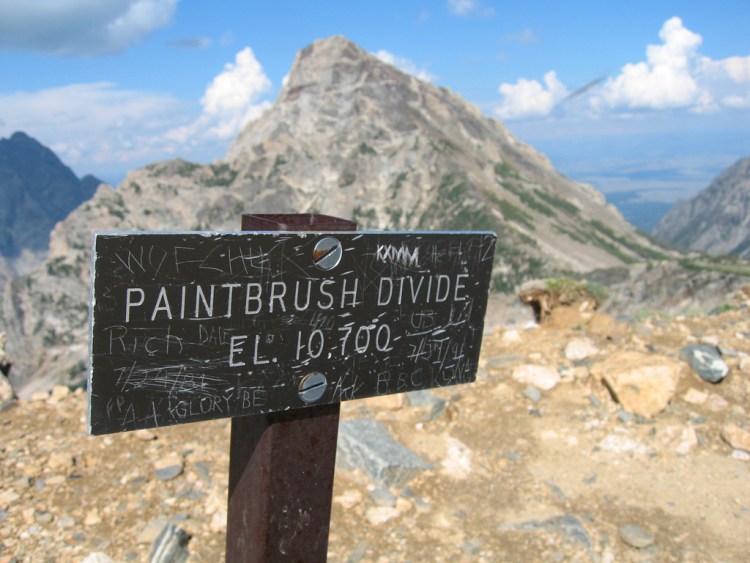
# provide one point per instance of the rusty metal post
(281, 465)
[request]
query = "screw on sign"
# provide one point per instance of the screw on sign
(312, 387)
(274, 326)
(327, 253)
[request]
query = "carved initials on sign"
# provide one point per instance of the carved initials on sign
(389, 253)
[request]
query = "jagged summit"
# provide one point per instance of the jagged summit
(334, 79)
(36, 191)
(334, 61)
(352, 135)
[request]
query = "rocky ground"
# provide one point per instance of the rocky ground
(584, 439)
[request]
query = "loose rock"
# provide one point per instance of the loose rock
(169, 467)
(678, 439)
(695, 397)
(706, 361)
(368, 445)
(580, 348)
(533, 394)
(737, 437)
(642, 383)
(541, 377)
(6, 391)
(635, 536)
(170, 546)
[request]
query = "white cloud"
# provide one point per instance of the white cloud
(405, 65)
(94, 122)
(674, 76)
(529, 98)
(665, 80)
(231, 100)
(80, 27)
(726, 83)
(101, 128)
(467, 7)
(736, 68)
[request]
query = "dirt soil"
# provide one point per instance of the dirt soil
(518, 473)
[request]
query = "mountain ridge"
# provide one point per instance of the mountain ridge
(349, 136)
(37, 191)
(717, 220)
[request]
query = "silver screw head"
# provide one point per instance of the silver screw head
(327, 253)
(312, 387)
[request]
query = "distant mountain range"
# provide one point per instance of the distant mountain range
(717, 220)
(36, 190)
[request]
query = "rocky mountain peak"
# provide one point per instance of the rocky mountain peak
(333, 62)
(36, 190)
(717, 220)
(349, 136)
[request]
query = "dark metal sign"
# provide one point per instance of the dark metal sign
(197, 326)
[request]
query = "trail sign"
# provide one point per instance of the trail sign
(196, 326)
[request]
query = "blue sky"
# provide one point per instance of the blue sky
(645, 96)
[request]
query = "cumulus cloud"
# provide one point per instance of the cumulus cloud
(674, 76)
(101, 128)
(80, 27)
(666, 79)
(232, 99)
(405, 65)
(529, 98)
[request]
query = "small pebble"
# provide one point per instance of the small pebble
(168, 473)
(624, 416)
(635, 536)
(533, 394)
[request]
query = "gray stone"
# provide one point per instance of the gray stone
(426, 399)
(170, 546)
(421, 399)
(569, 525)
(706, 361)
(624, 416)
(635, 536)
(168, 473)
(533, 394)
(368, 445)
(203, 470)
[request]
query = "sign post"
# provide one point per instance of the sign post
(274, 326)
(281, 465)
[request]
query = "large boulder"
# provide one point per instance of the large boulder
(642, 383)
